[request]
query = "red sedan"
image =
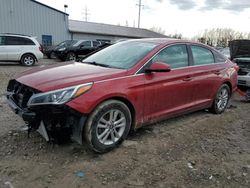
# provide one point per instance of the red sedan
(121, 88)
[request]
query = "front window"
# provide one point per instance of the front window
(122, 55)
(176, 56)
(86, 44)
(95, 43)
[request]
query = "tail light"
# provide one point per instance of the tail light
(41, 49)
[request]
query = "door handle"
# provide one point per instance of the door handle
(188, 78)
(217, 72)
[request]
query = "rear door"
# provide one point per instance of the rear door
(16, 46)
(3, 51)
(207, 74)
(171, 92)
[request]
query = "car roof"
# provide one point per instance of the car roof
(16, 35)
(160, 41)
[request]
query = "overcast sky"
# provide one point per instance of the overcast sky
(189, 17)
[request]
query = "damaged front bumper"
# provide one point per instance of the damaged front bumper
(56, 123)
(244, 80)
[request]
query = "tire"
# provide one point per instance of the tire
(49, 56)
(28, 60)
(71, 56)
(221, 99)
(52, 55)
(107, 126)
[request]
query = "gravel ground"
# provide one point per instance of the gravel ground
(195, 150)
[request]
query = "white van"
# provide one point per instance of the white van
(20, 48)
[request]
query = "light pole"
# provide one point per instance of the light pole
(65, 8)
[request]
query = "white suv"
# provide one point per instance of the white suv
(21, 48)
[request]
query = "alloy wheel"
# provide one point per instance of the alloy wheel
(111, 127)
(222, 99)
(28, 60)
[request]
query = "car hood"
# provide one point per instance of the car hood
(239, 48)
(48, 78)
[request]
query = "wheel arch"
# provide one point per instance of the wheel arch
(229, 85)
(127, 102)
(28, 53)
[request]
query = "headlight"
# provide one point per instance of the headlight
(61, 49)
(60, 96)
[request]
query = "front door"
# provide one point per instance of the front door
(85, 48)
(171, 92)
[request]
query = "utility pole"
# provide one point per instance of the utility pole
(86, 13)
(139, 16)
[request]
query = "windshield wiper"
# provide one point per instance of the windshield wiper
(97, 64)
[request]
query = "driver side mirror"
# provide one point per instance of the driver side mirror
(158, 67)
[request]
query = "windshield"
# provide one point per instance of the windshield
(67, 43)
(122, 55)
(78, 43)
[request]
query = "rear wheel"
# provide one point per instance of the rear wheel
(107, 126)
(28, 60)
(221, 99)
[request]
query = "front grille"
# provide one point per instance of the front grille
(20, 93)
(242, 82)
(242, 72)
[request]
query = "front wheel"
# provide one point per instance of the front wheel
(107, 126)
(71, 56)
(221, 99)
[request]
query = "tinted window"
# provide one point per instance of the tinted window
(2, 40)
(176, 56)
(18, 41)
(86, 44)
(95, 43)
(202, 55)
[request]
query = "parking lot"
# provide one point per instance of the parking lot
(196, 150)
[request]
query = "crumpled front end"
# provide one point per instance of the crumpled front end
(244, 72)
(56, 123)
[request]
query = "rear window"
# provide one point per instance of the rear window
(11, 40)
(202, 56)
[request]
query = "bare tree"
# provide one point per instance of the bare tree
(176, 36)
(158, 30)
(220, 36)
